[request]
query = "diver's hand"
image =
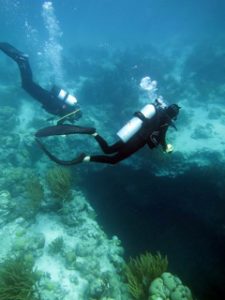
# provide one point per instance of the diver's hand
(169, 148)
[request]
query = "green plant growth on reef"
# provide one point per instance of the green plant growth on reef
(141, 271)
(18, 280)
(59, 181)
(56, 245)
(35, 193)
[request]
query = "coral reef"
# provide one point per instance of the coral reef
(59, 181)
(6, 206)
(25, 188)
(203, 132)
(35, 193)
(170, 287)
(18, 280)
(141, 271)
(56, 245)
(35, 213)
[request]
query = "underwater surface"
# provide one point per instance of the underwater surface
(69, 233)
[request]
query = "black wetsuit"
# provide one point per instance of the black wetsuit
(152, 133)
(48, 99)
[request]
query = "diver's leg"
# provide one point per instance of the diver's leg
(104, 145)
(12, 52)
(112, 160)
(28, 85)
(125, 150)
(21, 59)
(33, 89)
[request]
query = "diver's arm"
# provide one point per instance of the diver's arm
(162, 140)
(167, 148)
(163, 143)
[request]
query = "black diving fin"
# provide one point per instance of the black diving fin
(74, 161)
(64, 129)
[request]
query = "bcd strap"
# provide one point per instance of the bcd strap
(140, 115)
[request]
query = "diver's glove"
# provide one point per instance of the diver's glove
(169, 148)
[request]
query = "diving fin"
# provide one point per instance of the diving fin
(74, 161)
(64, 129)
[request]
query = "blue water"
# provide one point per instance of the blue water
(113, 44)
(117, 22)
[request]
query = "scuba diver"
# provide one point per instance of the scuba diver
(148, 126)
(56, 101)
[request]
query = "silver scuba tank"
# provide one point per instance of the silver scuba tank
(67, 98)
(64, 96)
(131, 127)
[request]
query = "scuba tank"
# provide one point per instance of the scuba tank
(64, 96)
(131, 127)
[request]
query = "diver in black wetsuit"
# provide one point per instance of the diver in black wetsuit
(149, 126)
(57, 101)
